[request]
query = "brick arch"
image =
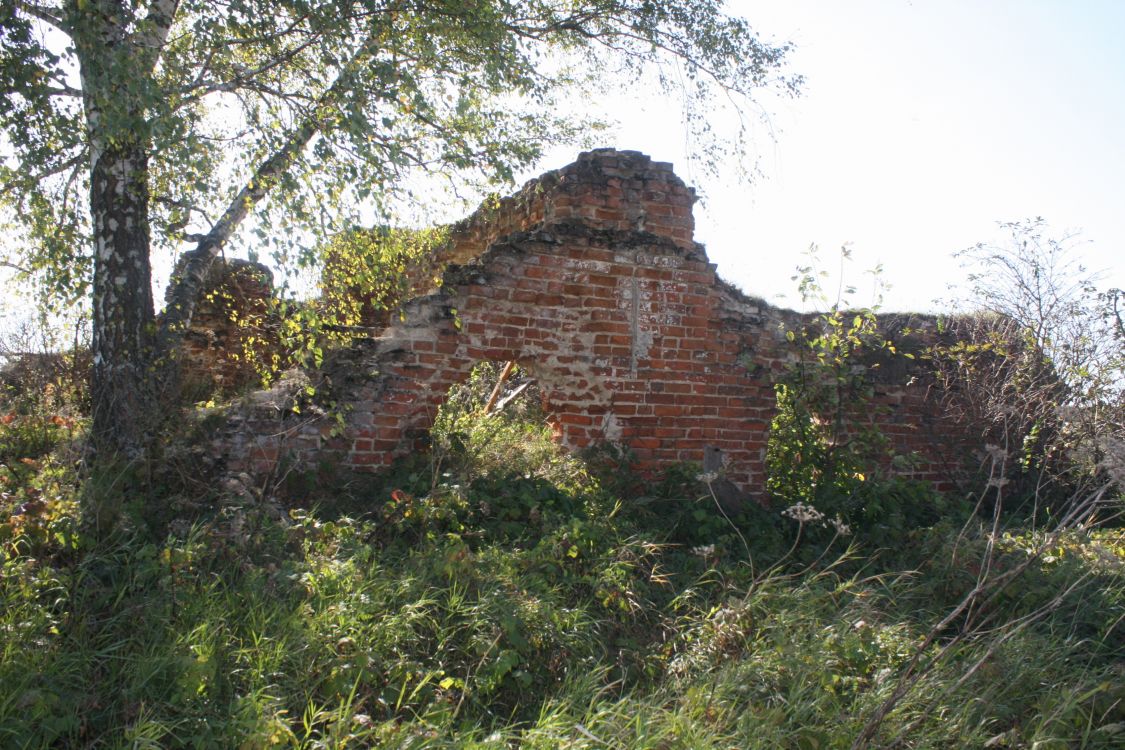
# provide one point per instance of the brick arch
(589, 278)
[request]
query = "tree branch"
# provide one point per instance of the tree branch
(152, 33)
(197, 262)
(62, 91)
(38, 177)
(15, 267)
(243, 79)
(43, 14)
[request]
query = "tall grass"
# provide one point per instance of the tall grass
(499, 595)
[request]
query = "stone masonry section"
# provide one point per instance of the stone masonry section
(589, 279)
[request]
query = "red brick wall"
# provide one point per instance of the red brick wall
(623, 190)
(589, 279)
(233, 309)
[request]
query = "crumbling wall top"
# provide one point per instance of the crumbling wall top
(604, 189)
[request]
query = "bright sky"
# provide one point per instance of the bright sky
(922, 124)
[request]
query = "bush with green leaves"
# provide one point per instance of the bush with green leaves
(365, 277)
(368, 273)
(826, 458)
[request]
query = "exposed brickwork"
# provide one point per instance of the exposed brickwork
(233, 307)
(588, 278)
(623, 190)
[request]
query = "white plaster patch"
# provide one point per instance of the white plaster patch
(642, 342)
(599, 266)
(611, 427)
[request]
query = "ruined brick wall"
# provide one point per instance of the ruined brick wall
(622, 190)
(588, 278)
(233, 311)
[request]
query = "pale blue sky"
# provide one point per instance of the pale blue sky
(922, 124)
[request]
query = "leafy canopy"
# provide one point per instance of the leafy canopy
(346, 102)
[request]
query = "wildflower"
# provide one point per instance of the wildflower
(707, 477)
(998, 482)
(802, 513)
(842, 528)
(704, 550)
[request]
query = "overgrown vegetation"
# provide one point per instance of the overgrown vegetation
(500, 593)
(1041, 368)
(366, 275)
(828, 462)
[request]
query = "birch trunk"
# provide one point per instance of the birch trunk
(123, 394)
